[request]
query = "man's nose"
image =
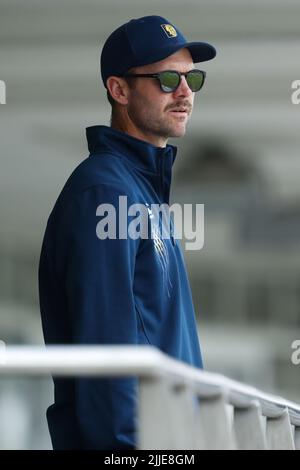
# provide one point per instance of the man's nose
(183, 89)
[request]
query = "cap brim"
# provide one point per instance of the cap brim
(200, 52)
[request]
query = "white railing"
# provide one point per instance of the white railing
(179, 407)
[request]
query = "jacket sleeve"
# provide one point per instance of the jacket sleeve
(99, 290)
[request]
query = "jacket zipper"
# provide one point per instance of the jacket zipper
(161, 171)
(161, 175)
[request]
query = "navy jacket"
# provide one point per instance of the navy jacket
(111, 291)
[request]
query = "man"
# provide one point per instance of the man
(96, 289)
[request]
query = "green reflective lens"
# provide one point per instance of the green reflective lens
(169, 81)
(195, 80)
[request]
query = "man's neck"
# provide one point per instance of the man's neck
(128, 127)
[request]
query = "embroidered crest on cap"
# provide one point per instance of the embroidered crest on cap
(169, 30)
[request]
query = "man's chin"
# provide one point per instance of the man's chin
(178, 132)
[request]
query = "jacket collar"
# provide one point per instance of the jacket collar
(139, 152)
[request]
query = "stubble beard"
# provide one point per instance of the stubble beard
(163, 126)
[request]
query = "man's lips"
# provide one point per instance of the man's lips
(180, 111)
(179, 114)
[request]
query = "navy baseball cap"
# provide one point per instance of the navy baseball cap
(146, 40)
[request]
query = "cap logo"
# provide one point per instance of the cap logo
(169, 30)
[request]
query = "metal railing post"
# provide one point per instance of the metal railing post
(280, 433)
(155, 430)
(215, 429)
(297, 437)
(169, 422)
(250, 428)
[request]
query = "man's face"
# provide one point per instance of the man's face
(154, 112)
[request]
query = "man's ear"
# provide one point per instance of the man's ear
(118, 89)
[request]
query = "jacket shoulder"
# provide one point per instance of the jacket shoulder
(100, 169)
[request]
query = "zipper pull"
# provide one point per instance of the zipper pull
(172, 231)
